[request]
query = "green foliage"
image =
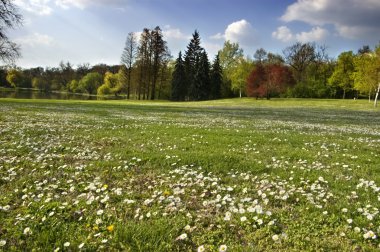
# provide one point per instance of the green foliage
(15, 77)
(41, 83)
(230, 56)
(216, 79)
(91, 82)
(193, 56)
(104, 90)
(342, 76)
(366, 74)
(240, 74)
(201, 79)
(178, 88)
(74, 87)
(113, 84)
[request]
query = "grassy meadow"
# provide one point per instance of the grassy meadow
(228, 175)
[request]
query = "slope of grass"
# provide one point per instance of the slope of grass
(281, 175)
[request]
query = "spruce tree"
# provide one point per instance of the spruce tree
(202, 77)
(216, 79)
(178, 87)
(192, 58)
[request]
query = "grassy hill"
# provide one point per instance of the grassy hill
(278, 175)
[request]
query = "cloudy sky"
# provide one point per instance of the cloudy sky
(94, 31)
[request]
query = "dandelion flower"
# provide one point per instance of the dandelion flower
(357, 229)
(3, 242)
(243, 218)
(223, 248)
(100, 212)
(81, 245)
(66, 244)
(349, 221)
(110, 228)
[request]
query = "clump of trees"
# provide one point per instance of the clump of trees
(147, 71)
(194, 78)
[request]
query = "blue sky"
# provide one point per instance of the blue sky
(94, 31)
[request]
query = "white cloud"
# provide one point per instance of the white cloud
(240, 32)
(283, 34)
(82, 4)
(36, 39)
(217, 36)
(351, 18)
(316, 34)
(39, 7)
(174, 33)
(212, 49)
(45, 7)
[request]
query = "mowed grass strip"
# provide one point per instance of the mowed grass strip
(241, 174)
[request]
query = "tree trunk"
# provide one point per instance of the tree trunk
(369, 97)
(129, 81)
(240, 92)
(344, 94)
(377, 95)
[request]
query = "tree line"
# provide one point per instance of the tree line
(304, 70)
(144, 72)
(147, 70)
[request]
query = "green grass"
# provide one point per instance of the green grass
(254, 175)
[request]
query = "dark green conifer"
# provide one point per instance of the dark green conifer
(216, 79)
(178, 81)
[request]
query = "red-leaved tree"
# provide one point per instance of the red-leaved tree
(256, 82)
(269, 80)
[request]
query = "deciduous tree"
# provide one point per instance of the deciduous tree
(9, 19)
(299, 56)
(342, 76)
(229, 56)
(128, 57)
(90, 82)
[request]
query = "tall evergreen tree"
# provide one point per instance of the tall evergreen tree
(178, 87)
(216, 79)
(202, 78)
(192, 57)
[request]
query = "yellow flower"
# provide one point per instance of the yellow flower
(166, 193)
(95, 228)
(105, 186)
(110, 228)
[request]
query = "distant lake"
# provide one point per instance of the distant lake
(35, 94)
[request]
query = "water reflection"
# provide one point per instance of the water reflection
(34, 94)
